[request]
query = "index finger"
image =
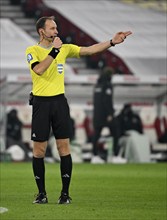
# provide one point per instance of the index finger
(127, 33)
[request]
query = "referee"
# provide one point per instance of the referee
(46, 62)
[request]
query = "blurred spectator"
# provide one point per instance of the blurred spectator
(160, 125)
(14, 126)
(116, 132)
(103, 109)
(126, 120)
(134, 145)
(130, 120)
(14, 132)
(88, 127)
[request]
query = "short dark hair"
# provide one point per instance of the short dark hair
(41, 22)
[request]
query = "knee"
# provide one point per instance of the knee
(38, 153)
(39, 150)
(63, 147)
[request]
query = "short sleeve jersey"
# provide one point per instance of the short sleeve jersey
(51, 82)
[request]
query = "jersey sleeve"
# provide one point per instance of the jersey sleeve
(73, 51)
(31, 56)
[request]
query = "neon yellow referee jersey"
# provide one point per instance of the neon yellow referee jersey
(51, 82)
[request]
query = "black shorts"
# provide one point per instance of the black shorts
(50, 112)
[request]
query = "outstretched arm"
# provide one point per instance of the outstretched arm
(100, 47)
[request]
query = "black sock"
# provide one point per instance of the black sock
(66, 171)
(39, 173)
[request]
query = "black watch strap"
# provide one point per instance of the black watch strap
(111, 43)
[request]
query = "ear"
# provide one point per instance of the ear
(41, 31)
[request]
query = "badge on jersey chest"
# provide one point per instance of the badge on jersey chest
(60, 68)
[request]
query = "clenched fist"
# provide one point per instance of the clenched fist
(57, 43)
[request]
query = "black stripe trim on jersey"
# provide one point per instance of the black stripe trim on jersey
(34, 64)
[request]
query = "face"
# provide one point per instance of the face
(49, 30)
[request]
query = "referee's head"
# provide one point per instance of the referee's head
(40, 24)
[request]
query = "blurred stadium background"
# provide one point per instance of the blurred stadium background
(140, 63)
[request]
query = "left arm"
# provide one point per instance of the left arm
(100, 47)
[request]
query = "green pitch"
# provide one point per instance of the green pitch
(99, 192)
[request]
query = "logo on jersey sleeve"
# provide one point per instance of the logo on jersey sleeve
(29, 57)
(60, 68)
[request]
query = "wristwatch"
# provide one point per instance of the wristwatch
(111, 43)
